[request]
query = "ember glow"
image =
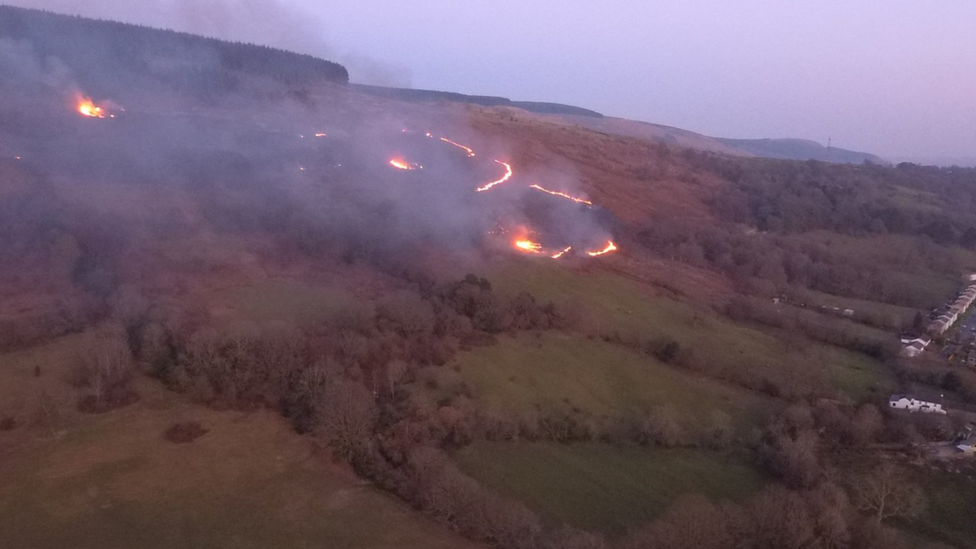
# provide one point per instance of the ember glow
(561, 253)
(561, 194)
(611, 247)
(86, 107)
(506, 177)
(529, 246)
(401, 164)
(458, 145)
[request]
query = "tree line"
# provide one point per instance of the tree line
(103, 54)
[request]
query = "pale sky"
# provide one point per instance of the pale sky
(892, 77)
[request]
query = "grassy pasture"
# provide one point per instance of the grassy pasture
(604, 488)
(607, 303)
(112, 480)
(552, 371)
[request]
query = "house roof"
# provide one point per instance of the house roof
(968, 441)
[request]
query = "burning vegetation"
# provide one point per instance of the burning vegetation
(610, 247)
(458, 145)
(402, 164)
(504, 178)
(530, 241)
(87, 107)
(561, 194)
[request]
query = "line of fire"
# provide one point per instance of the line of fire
(532, 242)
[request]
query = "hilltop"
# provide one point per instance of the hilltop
(801, 149)
(154, 57)
(204, 65)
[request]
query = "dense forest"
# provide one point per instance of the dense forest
(900, 235)
(103, 53)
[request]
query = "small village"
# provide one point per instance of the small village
(950, 336)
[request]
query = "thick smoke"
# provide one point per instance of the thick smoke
(20, 65)
(250, 162)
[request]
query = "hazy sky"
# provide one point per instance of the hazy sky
(893, 77)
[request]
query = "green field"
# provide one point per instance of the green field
(600, 487)
(554, 371)
(607, 303)
(895, 315)
(949, 516)
(113, 481)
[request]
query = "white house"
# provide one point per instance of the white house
(949, 319)
(912, 350)
(938, 327)
(905, 402)
(914, 347)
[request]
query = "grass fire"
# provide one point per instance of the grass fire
(86, 107)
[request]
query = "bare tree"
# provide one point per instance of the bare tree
(866, 425)
(692, 522)
(347, 414)
(396, 371)
(886, 493)
(782, 520)
(830, 509)
(128, 306)
(104, 363)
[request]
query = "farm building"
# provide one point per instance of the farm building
(905, 402)
(913, 349)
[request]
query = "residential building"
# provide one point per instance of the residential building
(912, 404)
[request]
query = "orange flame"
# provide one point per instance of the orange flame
(320, 134)
(559, 254)
(563, 195)
(86, 107)
(458, 145)
(529, 246)
(506, 177)
(401, 164)
(611, 247)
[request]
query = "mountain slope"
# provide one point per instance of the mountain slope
(100, 53)
(800, 149)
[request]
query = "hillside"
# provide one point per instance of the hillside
(800, 149)
(404, 94)
(304, 310)
(93, 52)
